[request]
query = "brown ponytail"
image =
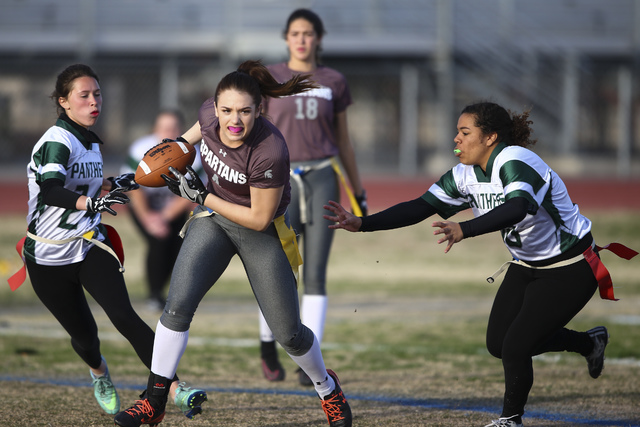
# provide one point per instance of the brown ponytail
(255, 79)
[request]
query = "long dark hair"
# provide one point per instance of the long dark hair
(64, 82)
(254, 78)
(511, 128)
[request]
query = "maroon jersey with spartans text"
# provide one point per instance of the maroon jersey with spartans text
(262, 161)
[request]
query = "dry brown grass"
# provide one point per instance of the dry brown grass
(405, 333)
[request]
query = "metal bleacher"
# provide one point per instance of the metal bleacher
(519, 52)
(355, 26)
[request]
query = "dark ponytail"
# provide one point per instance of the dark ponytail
(255, 79)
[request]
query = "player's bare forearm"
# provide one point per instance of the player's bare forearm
(341, 218)
(193, 135)
(264, 203)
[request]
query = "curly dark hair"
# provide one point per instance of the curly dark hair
(511, 128)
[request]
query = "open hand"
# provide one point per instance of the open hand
(452, 233)
(342, 218)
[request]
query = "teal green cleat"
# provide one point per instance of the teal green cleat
(105, 393)
(189, 400)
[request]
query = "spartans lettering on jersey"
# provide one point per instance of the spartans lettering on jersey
(86, 170)
(486, 201)
(219, 167)
(320, 92)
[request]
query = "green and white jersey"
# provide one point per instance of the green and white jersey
(64, 154)
(552, 225)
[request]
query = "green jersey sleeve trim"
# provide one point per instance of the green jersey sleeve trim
(519, 171)
(51, 153)
(447, 185)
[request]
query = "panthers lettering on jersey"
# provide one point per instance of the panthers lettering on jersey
(553, 224)
(62, 153)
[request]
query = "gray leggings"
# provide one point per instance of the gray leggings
(208, 247)
(321, 185)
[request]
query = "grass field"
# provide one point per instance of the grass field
(405, 333)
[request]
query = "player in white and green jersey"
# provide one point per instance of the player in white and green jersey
(64, 155)
(512, 190)
(65, 182)
(553, 222)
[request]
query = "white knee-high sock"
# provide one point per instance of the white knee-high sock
(168, 348)
(265, 331)
(314, 313)
(313, 365)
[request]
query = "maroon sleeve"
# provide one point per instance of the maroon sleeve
(270, 160)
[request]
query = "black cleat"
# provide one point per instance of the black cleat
(275, 374)
(595, 360)
(336, 407)
(142, 412)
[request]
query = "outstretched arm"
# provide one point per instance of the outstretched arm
(397, 216)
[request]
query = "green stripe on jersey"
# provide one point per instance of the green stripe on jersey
(519, 171)
(446, 204)
(448, 184)
(51, 152)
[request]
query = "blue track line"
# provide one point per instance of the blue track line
(418, 403)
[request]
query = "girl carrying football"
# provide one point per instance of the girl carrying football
(243, 211)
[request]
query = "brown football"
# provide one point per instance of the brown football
(157, 160)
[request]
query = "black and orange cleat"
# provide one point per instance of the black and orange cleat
(142, 412)
(335, 405)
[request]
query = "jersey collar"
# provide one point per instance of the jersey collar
(85, 136)
(483, 176)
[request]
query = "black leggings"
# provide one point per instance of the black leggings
(60, 288)
(161, 255)
(528, 317)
